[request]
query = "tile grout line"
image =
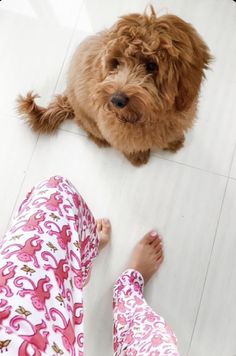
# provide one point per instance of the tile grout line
(84, 136)
(154, 155)
(22, 182)
(161, 158)
(211, 252)
(73, 133)
(53, 91)
(232, 160)
(190, 166)
(68, 48)
(208, 267)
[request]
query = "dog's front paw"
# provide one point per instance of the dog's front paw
(176, 145)
(138, 158)
(99, 142)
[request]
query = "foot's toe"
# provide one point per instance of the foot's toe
(106, 226)
(156, 244)
(99, 224)
(104, 230)
(159, 254)
(149, 238)
(160, 260)
(147, 255)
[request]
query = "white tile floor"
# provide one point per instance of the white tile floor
(190, 197)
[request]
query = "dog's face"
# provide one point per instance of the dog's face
(150, 65)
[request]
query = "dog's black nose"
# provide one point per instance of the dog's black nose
(119, 100)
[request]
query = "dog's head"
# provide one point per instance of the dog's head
(150, 65)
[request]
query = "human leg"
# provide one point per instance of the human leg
(138, 330)
(45, 259)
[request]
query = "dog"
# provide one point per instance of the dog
(134, 87)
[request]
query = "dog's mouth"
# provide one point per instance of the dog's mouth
(125, 115)
(131, 119)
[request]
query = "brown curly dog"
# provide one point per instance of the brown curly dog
(134, 87)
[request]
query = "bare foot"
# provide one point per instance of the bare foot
(147, 256)
(104, 231)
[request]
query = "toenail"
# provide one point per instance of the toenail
(153, 233)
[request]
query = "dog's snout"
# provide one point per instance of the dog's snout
(119, 100)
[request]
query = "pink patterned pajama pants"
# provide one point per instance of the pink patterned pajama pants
(138, 330)
(45, 260)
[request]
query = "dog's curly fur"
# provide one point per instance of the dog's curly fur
(158, 63)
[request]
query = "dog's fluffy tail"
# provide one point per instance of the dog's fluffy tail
(44, 120)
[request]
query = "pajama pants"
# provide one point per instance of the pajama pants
(45, 260)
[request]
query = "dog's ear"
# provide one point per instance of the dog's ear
(190, 57)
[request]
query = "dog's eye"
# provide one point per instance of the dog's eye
(114, 63)
(151, 67)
